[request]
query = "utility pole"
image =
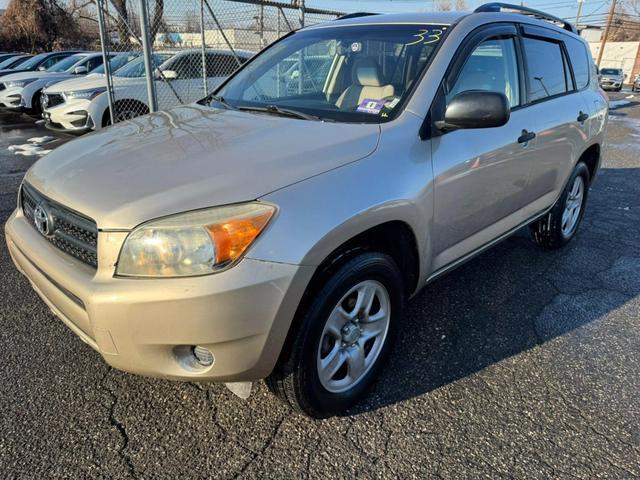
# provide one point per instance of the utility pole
(612, 12)
(580, 3)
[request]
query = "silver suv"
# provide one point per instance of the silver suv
(277, 228)
(612, 78)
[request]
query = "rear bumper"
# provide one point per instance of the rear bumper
(148, 326)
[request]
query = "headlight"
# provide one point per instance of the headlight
(194, 243)
(86, 94)
(20, 83)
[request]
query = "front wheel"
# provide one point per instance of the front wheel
(344, 337)
(560, 225)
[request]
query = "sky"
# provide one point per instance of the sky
(593, 11)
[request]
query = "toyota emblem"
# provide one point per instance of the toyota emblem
(43, 220)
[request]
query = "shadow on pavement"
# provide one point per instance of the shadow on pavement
(516, 296)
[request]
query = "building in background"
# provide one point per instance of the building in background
(624, 55)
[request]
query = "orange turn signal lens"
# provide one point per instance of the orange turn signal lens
(232, 237)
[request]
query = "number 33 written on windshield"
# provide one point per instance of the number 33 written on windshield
(425, 37)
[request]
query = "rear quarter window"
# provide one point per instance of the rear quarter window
(580, 61)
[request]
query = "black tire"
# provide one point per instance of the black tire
(295, 378)
(547, 231)
(36, 106)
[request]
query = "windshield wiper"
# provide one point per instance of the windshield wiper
(287, 112)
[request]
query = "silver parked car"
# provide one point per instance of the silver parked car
(277, 228)
(612, 79)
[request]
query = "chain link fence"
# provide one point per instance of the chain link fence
(178, 51)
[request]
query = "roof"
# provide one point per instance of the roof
(420, 18)
(510, 13)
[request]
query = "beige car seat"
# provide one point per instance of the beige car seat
(367, 83)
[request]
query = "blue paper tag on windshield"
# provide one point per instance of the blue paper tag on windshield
(370, 105)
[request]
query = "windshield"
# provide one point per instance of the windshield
(116, 62)
(349, 74)
(65, 64)
(12, 62)
(135, 69)
(33, 62)
(611, 71)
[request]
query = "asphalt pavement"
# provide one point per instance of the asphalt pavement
(520, 364)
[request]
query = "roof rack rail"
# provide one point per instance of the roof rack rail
(498, 7)
(356, 15)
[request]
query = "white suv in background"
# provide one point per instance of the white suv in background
(23, 89)
(82, 104)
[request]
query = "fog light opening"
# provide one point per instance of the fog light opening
(203, 356)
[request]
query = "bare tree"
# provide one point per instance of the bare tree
(121, 15)
(35, 25)
(443, 5)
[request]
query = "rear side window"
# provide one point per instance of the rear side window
(579, 61)
(546, 69)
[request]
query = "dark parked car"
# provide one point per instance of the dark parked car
(41, 61)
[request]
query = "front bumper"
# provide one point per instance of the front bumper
(72, 115)
(11, 98)
(611, 85)
(147, 326)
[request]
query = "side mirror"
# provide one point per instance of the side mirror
(167, 75)
(42, 68)
(475, 109)
(80, 70)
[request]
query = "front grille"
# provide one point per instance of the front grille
(69, 231)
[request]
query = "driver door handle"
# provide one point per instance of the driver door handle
(582, 116)
(526, 136)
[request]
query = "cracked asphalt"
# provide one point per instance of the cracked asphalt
(520, 364)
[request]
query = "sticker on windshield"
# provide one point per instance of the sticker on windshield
(356, 47)
(371, 106)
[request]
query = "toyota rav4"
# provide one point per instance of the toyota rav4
(277, 228)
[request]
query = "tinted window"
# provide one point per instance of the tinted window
(579, 61)
(94, 62)
(64, 64)
(545, 68)
(220, 65)
(49, 62)
(611, 71)
(13, 62)
(186, 66)
(491, 67)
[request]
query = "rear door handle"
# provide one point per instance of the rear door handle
(526, 136)
(582, 116)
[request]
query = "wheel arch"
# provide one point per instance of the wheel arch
(124, 101)
(591, 158)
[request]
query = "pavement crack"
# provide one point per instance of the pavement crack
(122, 451)
(264, 448)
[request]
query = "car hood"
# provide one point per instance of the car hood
(23, 75)
(612, 77)
(77, 83)
(88, 82)
(9, 71)
(192, 157)
(39, 76)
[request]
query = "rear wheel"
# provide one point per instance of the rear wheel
(560, 225)
(343, 339)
